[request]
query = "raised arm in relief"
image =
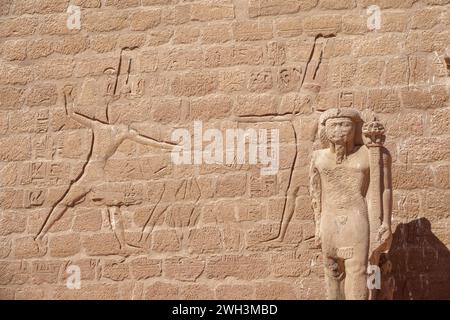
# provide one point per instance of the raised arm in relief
(69, 105)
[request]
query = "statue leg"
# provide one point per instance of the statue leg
(356, 278)
(334, 275)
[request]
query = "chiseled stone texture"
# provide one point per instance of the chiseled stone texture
(140, 227)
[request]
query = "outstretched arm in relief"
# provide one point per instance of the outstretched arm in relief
(140, 138)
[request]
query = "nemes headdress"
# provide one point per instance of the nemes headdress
(340, 113)
(350, 113)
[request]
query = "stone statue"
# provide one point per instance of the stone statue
(350, 187)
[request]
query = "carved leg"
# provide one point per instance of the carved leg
(356, 279)
(155, 215)
(334, 275)
(295, 180)
(115, 217)
(287, 216)
(288, 211)
(73, 196)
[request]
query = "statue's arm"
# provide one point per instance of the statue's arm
(315, 193)
(387, 190)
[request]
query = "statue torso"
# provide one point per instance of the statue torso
(344, 212)
(344, 185)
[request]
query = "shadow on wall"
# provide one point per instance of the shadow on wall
(417, 266)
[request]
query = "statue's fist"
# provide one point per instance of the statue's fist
(317, 243)
(384, 234)
(317, 239)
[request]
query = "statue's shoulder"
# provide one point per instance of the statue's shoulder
(363, 149)
(317, 154)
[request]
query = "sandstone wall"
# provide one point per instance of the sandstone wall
(199, 231)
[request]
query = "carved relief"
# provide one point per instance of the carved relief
(289, 78)
(276, 53)
(284, 206)
(346, 99)
(45, 173)
(34, 198)
(105, 140)
(42, 147)
(308, 92)
(42, 120)
(439, 65)
(264, 186)
(230, 81)
(260, 81)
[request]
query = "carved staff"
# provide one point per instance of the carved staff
(374, 134)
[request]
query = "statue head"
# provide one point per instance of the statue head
(341, 126)
(340, 130)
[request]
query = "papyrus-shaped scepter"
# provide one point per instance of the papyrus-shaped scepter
(373, 132)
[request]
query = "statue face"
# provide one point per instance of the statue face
(340, 130)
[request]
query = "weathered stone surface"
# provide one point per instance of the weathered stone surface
(194, 84)
(64, 245)
(204, 240)
(239, 267)
(234, 292)
(196, 292)
(143, 20)
(100, 244)
(165, 241)
(115, 269)
(207, 12)
(252, 31)
(275, 290)
(231, 186)
(265, 8)
(87, 121)
(104, 291)
(26, 247)
(161, 291)
(184, 269)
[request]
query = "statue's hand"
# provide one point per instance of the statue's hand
(317, 239)
(384, 233)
